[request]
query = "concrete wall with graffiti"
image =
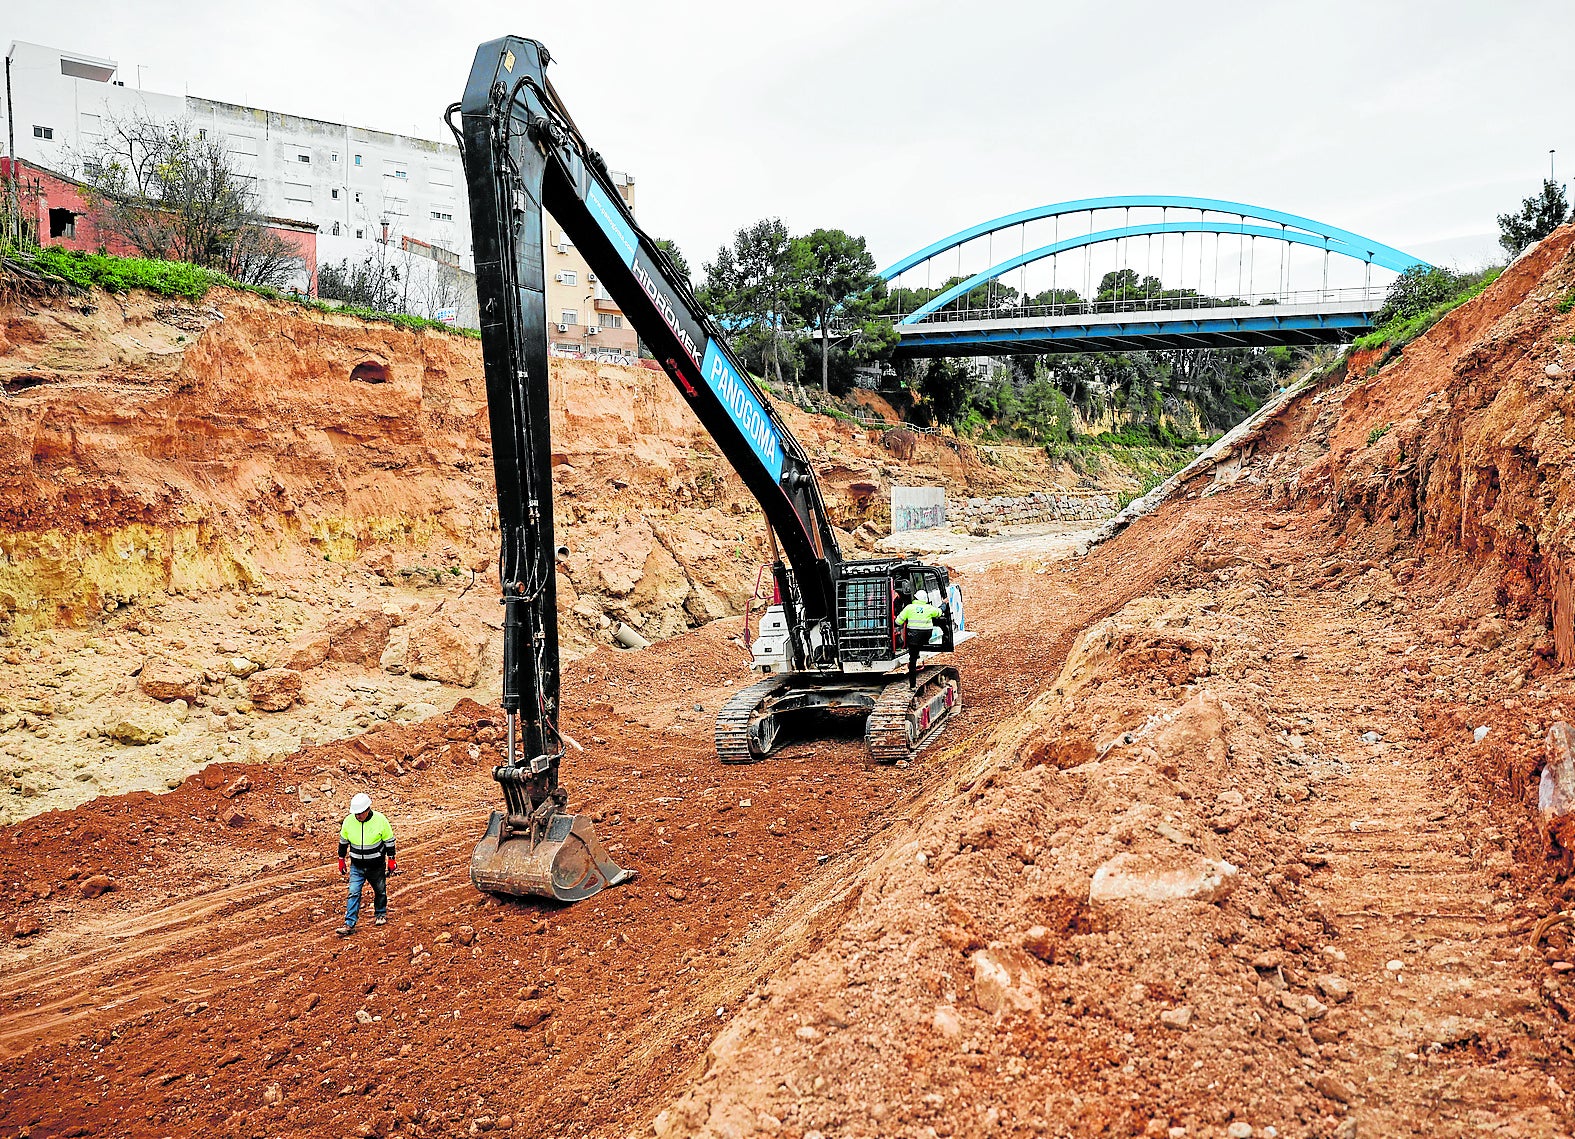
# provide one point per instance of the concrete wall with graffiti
(917, 508)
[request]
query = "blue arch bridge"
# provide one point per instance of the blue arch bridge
(1140, 272)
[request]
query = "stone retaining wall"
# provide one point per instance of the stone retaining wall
(1041, 506)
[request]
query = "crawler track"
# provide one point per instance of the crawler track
(734, 720)
(898, 728)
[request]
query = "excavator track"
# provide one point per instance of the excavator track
(904, 720)
(733, 722)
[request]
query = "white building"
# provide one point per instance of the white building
(359, 186)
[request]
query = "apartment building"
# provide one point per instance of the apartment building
(367, 191)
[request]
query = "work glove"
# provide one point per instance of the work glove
(392, 866)
(341, 866)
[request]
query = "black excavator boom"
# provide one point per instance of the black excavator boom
(522, 155)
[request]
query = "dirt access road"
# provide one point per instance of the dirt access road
(206, 992)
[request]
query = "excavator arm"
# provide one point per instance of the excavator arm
(522, 155)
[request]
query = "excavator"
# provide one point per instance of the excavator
(828, 640)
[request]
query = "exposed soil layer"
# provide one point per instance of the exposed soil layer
(182, 485)
(1237, 836)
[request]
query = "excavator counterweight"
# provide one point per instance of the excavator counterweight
(831, 640)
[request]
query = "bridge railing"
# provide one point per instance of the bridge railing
(1356, 298)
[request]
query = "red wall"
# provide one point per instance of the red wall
(43, 190)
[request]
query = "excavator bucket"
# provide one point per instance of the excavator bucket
(561, 858)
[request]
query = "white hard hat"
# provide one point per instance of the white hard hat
(921, 597)
(361, 802)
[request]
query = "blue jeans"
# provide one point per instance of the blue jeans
(359, 877)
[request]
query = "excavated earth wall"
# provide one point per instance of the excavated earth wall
(194, 493)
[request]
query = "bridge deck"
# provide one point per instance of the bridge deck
(1245, 326)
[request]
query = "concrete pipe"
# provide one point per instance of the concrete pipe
(628, 638)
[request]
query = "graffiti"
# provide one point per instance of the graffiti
(917, 508)
(917, 518)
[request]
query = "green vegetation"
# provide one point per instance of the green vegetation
(1419, 299)
(80, 270)
(119, 274)
(1568, 302)
(1378, 433)
(1151, 480)
(1539, 215)
(777, 294)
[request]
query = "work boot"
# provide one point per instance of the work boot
(381, 919)
(345, 930)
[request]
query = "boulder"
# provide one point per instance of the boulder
(393, 658)
(274, 689)
(1130, 877)
(165, 680)
(447, 649)
(241, 666)
(359, 638)
(97, 884)
(307, 651)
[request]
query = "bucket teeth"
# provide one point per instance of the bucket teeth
(567, 862)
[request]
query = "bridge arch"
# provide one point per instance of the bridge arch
(1291, 229)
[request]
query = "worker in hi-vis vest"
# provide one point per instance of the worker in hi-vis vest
(917, 622)
(368, 840)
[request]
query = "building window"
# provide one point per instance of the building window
(335, 193)
(43, 132)
(360, 233)
(402, 175)
(358, 160)
(439, 215)
(62, 223)
(358, 197)
(335, 155)
(201, 133)
(569, 316)
(336, 229)
(610, 320)
(569, 277)
(306, 158)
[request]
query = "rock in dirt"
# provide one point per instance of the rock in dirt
(1041, 942)
(1556, 790)
(241, 785)
(947, 1022)
(307, 651)
(165, 680)
(1130, 877)
(447, 649)
(528, 1014)
(1178, 1018)
(1304, 1005)
(97, 884)
(232, 816)
(359, 638)
(241, 666)
(996, 990)
(393, 659)
(26, 926)
(273, 1095)
(139, 730)
(1335, 1088)
(274, 689)
(1336, 988)
(465, 934)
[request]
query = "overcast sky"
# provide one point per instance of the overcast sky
(1410, 122)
